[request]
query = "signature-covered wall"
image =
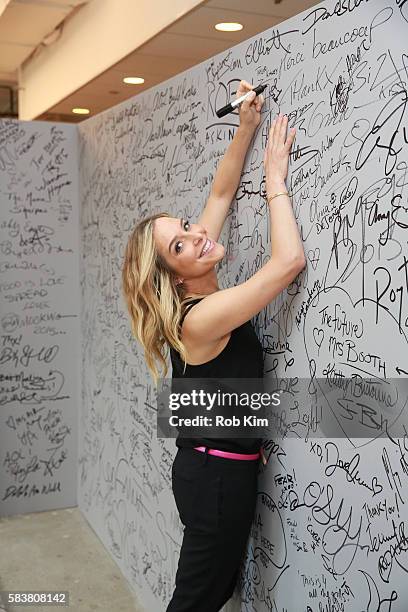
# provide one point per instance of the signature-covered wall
(39, 316)
(329, 532)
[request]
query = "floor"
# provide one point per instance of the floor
(58, 550)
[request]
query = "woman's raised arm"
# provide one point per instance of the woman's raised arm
(227, 177)
(221, 312)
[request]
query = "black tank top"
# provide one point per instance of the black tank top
(242, 357)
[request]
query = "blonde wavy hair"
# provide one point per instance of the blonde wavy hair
(155, 303)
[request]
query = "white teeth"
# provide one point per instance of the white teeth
(206, 247)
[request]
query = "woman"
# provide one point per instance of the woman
(172, 293)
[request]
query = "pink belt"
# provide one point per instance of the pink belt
(227, 455)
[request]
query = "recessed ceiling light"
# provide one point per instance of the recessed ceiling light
(133, 80)
(229, 27)
(81, 111)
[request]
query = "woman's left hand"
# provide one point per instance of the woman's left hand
(250, 109)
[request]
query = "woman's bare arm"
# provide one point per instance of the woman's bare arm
(228, 175)
(221, 312)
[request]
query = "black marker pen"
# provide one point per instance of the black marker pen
(232, 105)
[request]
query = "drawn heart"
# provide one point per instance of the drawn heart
(318, 336)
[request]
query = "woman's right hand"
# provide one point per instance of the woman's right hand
(276, 157)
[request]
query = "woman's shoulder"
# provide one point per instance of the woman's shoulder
(188, 325)
(187, 304)
(200, 351)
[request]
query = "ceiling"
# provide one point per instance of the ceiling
(27, 25)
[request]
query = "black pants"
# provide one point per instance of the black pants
(216, 500)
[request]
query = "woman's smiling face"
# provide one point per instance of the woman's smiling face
(186, 247)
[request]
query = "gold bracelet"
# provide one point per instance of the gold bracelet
(275, 195)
